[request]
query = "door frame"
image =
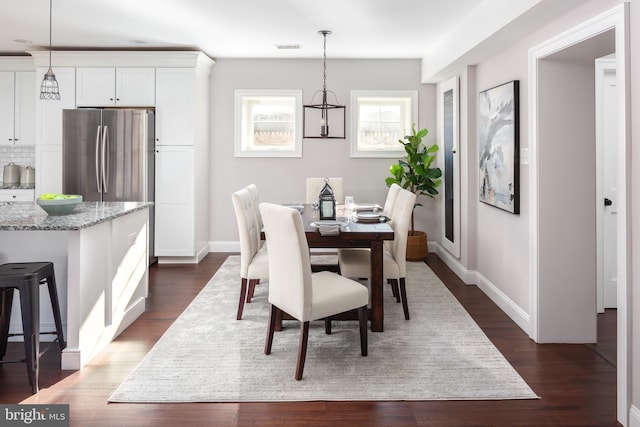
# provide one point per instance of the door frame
(451, 85)
(616, 19)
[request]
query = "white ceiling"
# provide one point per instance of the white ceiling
(235, 28)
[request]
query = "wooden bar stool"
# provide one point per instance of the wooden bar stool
(27, 278)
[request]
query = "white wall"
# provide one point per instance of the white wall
(282, 180)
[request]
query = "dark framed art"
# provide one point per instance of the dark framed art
(499, 135)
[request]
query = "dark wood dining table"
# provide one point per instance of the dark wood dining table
(356, 235)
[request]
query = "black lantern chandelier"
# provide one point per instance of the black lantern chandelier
(49, 87)
(325, 109)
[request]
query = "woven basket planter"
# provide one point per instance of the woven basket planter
(417, 249)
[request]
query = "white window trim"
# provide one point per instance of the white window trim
(387, 154)
(239, 151)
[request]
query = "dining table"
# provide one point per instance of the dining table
(354, 234)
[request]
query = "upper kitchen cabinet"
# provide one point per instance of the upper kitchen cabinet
(17, 108)
(108, 86)
(175, 106)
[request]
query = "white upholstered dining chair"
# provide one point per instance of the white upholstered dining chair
(389, 203)
(255, 195)
(254, 264)
(356, 263)
(315, 185)
(295, 290)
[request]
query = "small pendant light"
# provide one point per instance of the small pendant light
(49, 87)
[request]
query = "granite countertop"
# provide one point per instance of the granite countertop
(28, 216)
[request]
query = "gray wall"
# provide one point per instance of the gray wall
(282, 179)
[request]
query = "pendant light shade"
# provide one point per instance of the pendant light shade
(49, 87)
(318, 115)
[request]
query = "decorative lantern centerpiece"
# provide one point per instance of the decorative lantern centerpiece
(327, 201)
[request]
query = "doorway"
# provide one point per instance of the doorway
(562, 193)
(606, 186)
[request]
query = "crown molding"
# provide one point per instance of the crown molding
(127, 58)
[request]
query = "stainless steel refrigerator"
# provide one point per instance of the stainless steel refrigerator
(108, 155)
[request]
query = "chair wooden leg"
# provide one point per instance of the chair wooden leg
(252, 288)
(271, 326)
(302, 349)
(243, 296)
(394, 289)
(327, 325)
(363, 315)
(403, 295)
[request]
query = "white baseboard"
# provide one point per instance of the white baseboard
(200, 254)
(467, 276)
(634, 416)
(224, 246)
(517, 314)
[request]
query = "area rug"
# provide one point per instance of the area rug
(209, 356)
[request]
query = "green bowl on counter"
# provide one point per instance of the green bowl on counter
(59, 206)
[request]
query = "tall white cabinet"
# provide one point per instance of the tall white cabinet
(182, 105)
(177, 85)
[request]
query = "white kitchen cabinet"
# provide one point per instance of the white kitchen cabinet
(48, 169)
(175, 106)
(107, 86)
(17, 195)
(174, 201)
(180, 88)
(182, 126)
(17, 108)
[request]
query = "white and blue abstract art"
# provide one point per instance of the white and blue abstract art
(499, 132)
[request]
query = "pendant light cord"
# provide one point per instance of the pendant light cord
(50, 24)
(324, 73)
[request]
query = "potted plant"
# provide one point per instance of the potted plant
(416, 174)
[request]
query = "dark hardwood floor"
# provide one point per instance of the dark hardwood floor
(576, 384)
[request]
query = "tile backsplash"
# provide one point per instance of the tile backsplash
(21, 156)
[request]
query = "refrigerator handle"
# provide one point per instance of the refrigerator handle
(98, 186)
(105, 160)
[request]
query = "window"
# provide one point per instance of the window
(379, 119)
(268, 123)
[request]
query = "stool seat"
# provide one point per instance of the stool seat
(26, 278)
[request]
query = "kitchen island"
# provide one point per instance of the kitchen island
(100, 256)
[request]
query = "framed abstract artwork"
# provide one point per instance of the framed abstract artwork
(499, 135)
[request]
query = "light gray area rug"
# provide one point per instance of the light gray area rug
(208, 356)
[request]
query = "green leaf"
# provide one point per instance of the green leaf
(415, 171)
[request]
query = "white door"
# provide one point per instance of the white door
(607, 135)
